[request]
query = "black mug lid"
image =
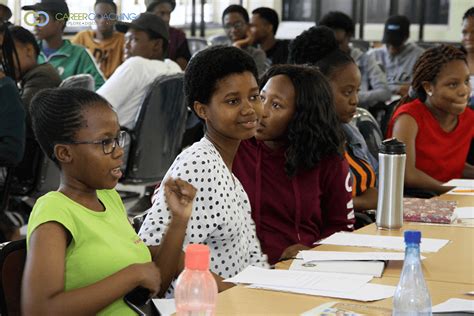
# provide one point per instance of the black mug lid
(392, 146)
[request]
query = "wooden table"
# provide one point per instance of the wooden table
(449, 273)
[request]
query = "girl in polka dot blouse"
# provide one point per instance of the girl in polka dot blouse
(220, 85)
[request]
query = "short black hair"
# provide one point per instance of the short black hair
(235, 8)
(211, 65)
(337, 20)
(24, 36)
(7, 10)
(154, 3)
(314, 131)
(318, 46)
(114, 6)
(268, 14)
(468, 14)
(57, 115)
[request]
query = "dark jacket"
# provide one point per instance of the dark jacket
(12, 123)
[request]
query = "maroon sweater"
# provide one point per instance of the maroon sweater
(312, 205)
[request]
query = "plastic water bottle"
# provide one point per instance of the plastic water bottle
(412, 296)
(196, 289)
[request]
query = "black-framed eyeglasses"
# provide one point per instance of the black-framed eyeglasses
(236, 25)
(108, 144)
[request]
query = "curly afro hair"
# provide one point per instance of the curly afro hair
(211, 65)
(337, 20)
(318, 46)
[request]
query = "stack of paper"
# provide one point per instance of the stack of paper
(454, 305)
(339, 285)
(369, 263)
(382, 242)
(460, 183)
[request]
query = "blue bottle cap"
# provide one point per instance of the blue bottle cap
(412, 237)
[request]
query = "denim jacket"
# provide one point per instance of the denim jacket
(357, 144)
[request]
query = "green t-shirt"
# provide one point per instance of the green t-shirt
(71, 60)
(102, 242)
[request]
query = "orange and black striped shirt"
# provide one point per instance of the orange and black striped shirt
(363, 175)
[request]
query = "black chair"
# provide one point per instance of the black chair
(197, 44)
(12, 263)
(369, 128)
(157, 136)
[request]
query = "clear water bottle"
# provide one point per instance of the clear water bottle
(196, 290)
(411, 296)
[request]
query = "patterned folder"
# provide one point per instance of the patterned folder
(428, 211)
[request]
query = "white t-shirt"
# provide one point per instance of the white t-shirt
(221, 216)
(127, 87)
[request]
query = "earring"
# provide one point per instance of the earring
(430, 93)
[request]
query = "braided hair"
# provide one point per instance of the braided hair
(57, 115)
(8, 53)
(427, 68)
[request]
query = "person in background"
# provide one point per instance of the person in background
(397, 57)
(220, 85)
(235, 20)
(374, 88)
(294, 171)
(32, 77)
(468, 44)
(104, 43)
(264, 25)
(178, 49)
(146, 43)
(67, 58)
(318, 46)
(435, 123)
(5, 12)
(12, 116)
(12, 128)
(94, 256)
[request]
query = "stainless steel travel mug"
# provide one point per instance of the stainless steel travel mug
(392, 158)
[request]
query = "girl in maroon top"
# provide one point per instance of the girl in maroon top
(436, 126)
(294, 172)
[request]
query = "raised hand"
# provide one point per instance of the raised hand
(179, 196)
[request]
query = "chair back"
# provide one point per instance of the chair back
(369, 128)
(84, 81)
(197, 44)
(12, 263)
(221, 39)
(156, 139)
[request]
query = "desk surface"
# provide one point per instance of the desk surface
(240, 300)
(449, 273)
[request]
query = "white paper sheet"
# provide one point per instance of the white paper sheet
(373, 268)
(454, 305)
(460, 183)
(464, 212)
(166, 307)
(462, 191)
(366, 293)
(383, 242)
(316, 255)
(335, 282)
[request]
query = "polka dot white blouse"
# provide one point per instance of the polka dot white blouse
(221, 215)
